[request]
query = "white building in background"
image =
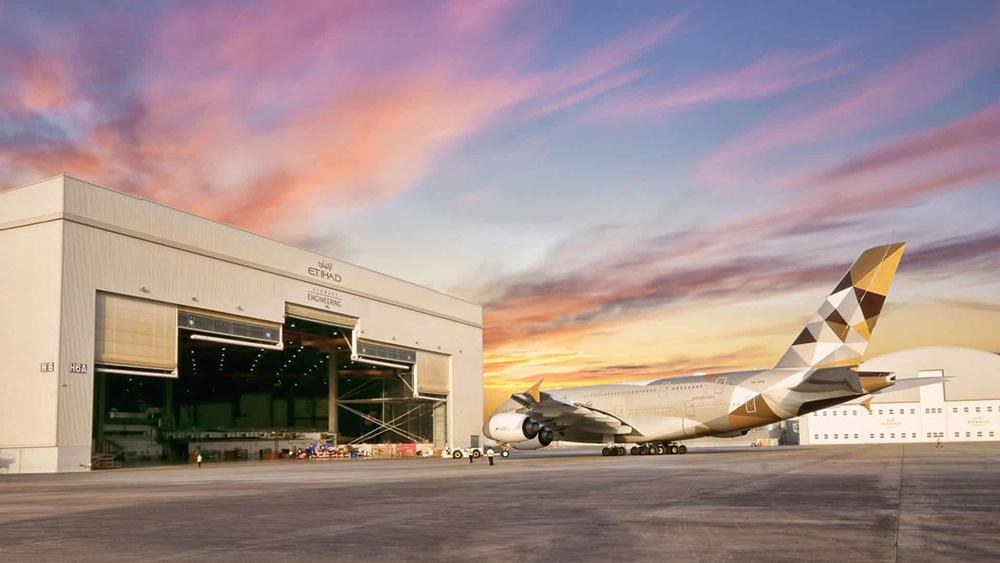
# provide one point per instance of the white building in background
(135, 332)
(966, 407)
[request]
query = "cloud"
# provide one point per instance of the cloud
(603, 292)
(596, 89)
(884, 97)
(272, 119)
(974, 130)
(674, 365)
(599, 71)
(770, 75)
(611, 56)
(969, 304)
(955, 257)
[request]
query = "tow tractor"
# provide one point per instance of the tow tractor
(459, 453)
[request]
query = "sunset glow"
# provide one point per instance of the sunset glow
(631, 190)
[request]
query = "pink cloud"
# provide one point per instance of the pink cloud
(982, 127)
(270, 118)
(884, 97)
(596, 88)
(479, 17)
(771, 75)
(613, 55)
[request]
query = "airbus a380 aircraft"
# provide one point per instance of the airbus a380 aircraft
(819, 370)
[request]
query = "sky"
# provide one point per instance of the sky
(631, 189)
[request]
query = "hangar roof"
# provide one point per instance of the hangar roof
(972, 374)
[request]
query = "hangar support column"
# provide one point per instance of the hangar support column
(333, 372)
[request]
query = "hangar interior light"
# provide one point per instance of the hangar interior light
(304, 383)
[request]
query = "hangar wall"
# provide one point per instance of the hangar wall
(964, 408)
(30, 282)
(112, 242)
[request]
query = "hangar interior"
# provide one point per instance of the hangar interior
(239, 388)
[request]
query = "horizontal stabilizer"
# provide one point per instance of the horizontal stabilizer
(910, 383)
(900, 385)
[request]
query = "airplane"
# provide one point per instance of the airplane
(819, 370)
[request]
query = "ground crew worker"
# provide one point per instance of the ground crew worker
(489, 454)
(471, 456)
(939, 443)
(198, 459)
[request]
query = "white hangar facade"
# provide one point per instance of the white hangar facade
(134, 330)
(966, 407)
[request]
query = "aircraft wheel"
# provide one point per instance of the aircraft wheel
(477, 454)
(674, 449)
(682, 449)
(643, 450)
(620, 450)
(457, 454)
(634, 450)
(660, 450)
(504, 453)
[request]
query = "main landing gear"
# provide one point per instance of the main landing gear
(668, 448)
(657, 448)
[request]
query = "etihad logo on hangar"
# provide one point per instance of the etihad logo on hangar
(324, 271)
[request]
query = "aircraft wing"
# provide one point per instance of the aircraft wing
(560, 413)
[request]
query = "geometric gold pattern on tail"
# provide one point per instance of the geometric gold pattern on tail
(838, 334)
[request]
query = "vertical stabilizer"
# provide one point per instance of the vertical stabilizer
(838, 334)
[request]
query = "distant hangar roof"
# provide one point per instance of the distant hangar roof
(972, 374)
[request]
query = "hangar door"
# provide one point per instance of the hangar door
(319, 316)
(433, 373)
(135, 334)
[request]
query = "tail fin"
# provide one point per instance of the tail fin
(837, 335)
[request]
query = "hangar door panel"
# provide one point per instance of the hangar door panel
(320, 316)
(135, 332)
(433, 373)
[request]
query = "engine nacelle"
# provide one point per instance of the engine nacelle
(512, 427)
(544, 438)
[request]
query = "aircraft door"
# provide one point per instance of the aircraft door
(618, 405)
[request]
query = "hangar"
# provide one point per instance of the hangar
(965, 408)
(132, 328)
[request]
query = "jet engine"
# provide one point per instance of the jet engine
(512, 427)
(544, 438)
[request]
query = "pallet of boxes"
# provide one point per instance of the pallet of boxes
(322, 451)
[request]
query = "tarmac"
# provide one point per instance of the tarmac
(909, 502)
